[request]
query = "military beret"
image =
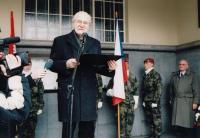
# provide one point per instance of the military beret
(151, 60)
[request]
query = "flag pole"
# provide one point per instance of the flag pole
(118, 120)
(118, 107)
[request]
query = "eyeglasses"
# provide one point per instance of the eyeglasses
(182, 64)
(82, 22)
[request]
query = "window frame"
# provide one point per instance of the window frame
(92, 31)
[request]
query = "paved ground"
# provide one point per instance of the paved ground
(163, 136)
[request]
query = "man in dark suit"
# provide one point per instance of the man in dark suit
(64, 53)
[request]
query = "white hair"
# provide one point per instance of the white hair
(80, 14)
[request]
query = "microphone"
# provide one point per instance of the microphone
(48, 64)
(9, 40)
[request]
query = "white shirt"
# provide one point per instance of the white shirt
(148, 70)
(182, 73)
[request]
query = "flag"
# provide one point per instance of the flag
(12, 47)
(120, 77)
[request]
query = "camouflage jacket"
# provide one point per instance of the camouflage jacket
(37, 91)
(151, 87)
(100, 88)
(130, 89)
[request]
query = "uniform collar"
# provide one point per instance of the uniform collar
(182, 73)
(149, 70)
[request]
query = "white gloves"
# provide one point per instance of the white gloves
(197, 116)
(39, 112)
(153, 105)
(38, 74)
(100, 104)
(110, 92)
(13, 61)
(136, 99)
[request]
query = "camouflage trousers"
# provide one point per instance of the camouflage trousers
(153, 117)
(126, 120)
(27, 128)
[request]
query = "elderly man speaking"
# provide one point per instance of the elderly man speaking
(64, 53)
(185, 96)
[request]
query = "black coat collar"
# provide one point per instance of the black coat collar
(73, 40)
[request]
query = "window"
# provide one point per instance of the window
(46, 19)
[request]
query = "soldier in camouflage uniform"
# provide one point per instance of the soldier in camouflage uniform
(151, 93)
(27, 128)
(128, 106)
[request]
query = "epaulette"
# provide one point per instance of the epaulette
(175, 73)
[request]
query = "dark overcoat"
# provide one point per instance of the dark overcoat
(184, 92)
(85, 85)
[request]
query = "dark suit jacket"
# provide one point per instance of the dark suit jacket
(85, 85)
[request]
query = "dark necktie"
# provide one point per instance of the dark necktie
(181, 75)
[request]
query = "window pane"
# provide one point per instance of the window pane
(42, 26)
(30, 19)
(99, 23)
(88, 6)
(121, 34)
(121, 25)
(109, 10)
(54, 20)
(42, 33)
(66, 7)
(109, 36)
(42, 6)
(119, 10)
(54, 6)
(53, 32)
(42, 20)
(99, 9)
(99, 34)
(53, 26)
(118, 0)
(30, 27)
(109, 24)
(29, 32)
(76, 6)
(66, 24)
(30, 6)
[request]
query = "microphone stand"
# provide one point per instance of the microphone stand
(70, 87)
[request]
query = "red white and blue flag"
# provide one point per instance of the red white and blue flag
(120, 77)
